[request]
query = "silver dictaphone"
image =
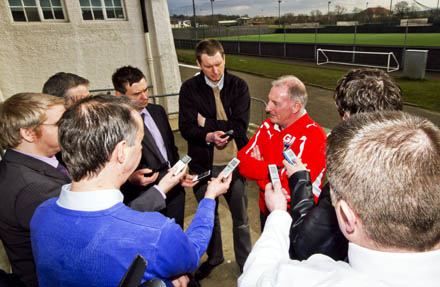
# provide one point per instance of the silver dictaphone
(230, 167)
(273, 172)
(181, 164)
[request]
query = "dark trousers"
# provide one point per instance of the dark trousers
(237, 200)
(175, 202)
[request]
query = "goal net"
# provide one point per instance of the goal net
(382, 60)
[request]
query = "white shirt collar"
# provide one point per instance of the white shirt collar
(94, 200)
(219, 84)
(388, 266)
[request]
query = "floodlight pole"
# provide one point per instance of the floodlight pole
(194, 14)
(212, 12)
(279, 13)
(328, 11)
(391, 6)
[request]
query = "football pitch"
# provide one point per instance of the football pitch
(392, 39)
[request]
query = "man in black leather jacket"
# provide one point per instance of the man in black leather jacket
(314, 226)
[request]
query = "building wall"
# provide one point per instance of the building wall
(30, 52)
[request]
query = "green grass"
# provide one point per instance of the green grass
(393, 39)
(423, 93)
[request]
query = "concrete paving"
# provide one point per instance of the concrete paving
(320, 107)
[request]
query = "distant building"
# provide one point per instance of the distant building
(414, 22)
(347, 23)
(228, 22)
(181, 24)
(238, 21)
(375, 12)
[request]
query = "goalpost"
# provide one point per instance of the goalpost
(391, 61)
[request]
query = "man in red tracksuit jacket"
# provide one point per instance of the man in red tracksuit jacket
(289, 127)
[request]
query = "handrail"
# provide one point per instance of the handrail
(154, 97)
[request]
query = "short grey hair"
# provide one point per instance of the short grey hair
(296, 88)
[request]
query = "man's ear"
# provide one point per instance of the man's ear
(296, 107)
(346, 115)
(347, 218)
(120, 151)
(117, 93)
(28, 134)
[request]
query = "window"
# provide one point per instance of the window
(36, 10)
(102, 9)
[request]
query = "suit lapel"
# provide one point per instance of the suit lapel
(149, 143)
(35, 164)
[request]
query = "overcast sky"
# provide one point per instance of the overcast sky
(270, 7)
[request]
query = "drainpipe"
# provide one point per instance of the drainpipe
(150, 62)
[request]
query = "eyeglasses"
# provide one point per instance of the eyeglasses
(55, 124)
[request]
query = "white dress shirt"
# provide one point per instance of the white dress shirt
(88, 200)
(269, 265)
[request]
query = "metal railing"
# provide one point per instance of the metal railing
(258, 115)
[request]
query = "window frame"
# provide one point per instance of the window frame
(40, 12)
(104, 11)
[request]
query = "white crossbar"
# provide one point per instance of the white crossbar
(388, 67)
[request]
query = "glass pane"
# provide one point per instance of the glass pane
(18, 15)
(32, 14)
(84, 3)
(29, 3)
(87, 14)
(119, 13)
(117, 3)
(99, 15)
(108, 3)
(110, 14)
(14, 3)
(58, 13)
(47, 13)
(56, 3)
(96, 3)
(44, 3)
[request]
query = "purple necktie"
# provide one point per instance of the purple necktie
(63, 170)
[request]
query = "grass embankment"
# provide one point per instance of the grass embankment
(392, 39)
(424, 93)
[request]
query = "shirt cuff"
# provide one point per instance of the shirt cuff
(160, 191)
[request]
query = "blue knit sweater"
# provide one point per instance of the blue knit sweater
(95, 248)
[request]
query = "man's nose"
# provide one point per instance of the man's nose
(268, 107)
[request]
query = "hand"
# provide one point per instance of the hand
(187, 180)
(201, 120)
(275, 197)
(256, 154)
(216, 139)
(170, 180)
(291, 169)
(138, 177)
(218, 186)
(181, 281)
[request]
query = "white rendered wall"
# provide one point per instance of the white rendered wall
(166, 68)
(30, 52)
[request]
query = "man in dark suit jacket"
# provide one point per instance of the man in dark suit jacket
(159, 151)
(29, 172)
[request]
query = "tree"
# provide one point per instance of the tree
(339, 10)
(357, 10)
(315, 15)
(401, 8)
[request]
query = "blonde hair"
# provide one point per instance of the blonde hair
(386, 166)
(23, 110)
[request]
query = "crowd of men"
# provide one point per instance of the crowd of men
(89, 182)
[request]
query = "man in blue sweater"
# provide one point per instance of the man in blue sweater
(87, 236)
